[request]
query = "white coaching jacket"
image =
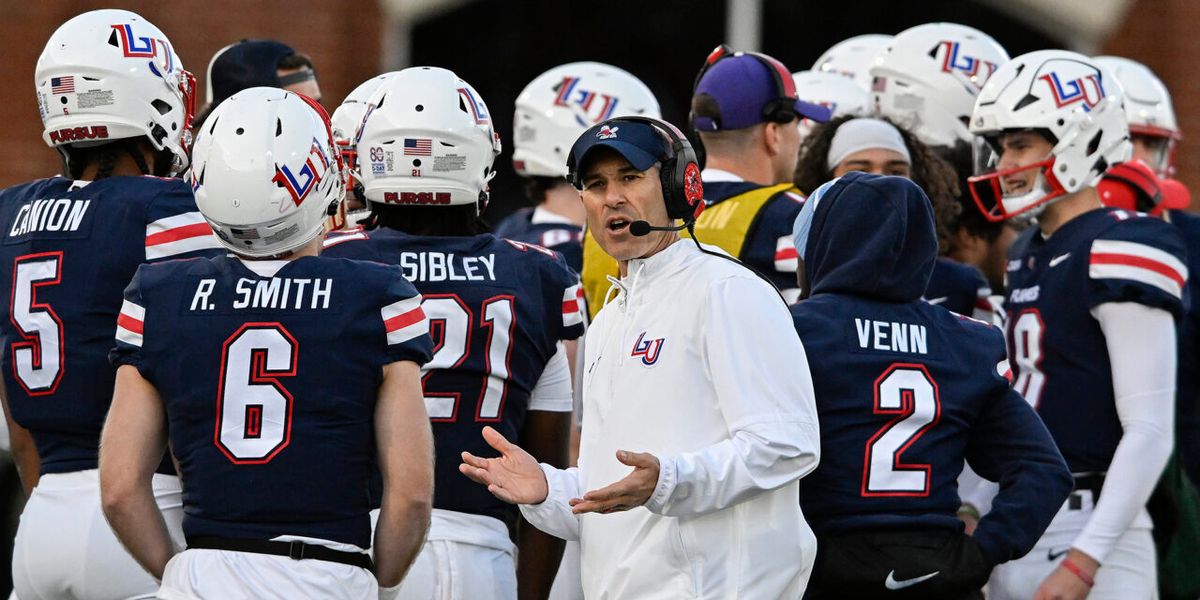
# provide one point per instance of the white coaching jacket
(695, 361)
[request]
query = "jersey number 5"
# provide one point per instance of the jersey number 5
(254, 410)
(38, 358)
(910, 393)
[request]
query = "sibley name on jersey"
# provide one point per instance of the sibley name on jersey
(442, 266)
(276, 292)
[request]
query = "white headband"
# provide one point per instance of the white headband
(864, 134)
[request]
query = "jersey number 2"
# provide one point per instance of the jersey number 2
(254, 410)
(456, 322)
(38, 358)
(910, 393)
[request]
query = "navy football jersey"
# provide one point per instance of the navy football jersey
(908, 391)
(564, 238)
(1056, 347)
(270, 384)
(69, 249)
(1187, 393)
(497, 309)
(905, 390)
(959, 288)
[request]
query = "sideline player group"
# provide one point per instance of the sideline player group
(324, 377)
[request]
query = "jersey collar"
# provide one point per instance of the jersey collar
(711, 175)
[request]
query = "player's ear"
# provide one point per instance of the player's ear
(771, 137)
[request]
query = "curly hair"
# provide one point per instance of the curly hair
(929, 171)
(76, 160)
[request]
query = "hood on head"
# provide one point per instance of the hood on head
(871, 236)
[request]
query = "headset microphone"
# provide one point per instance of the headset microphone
(643, 228)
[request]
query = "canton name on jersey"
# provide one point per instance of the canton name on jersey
(1056, 347)
(271, 406)
(69, 248)
(497, 309)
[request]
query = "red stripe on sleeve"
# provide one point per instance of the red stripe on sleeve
(1140, 262)
(127, 322)
(178, 233)
(401, 321)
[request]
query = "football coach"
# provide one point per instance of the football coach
(695, 379)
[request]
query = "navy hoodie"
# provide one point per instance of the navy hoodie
(907, 391)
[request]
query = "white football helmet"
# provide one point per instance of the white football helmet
(853, 57)
(266, 173)
(344, 122)
(426, 139)
(927, 78)
(1069, 98)
(111, 74)
(348, 116)
(560, 104)
(839, 94)
(1147, 107)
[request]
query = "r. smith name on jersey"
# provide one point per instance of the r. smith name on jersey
(270, 403)
(276, 292)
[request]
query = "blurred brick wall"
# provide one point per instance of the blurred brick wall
(341, 36)
(1162, 35)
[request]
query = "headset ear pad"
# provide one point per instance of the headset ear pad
(686, 199)
(676, 205)
(693, 189)
(682, 189)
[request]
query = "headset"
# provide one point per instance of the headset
(683, 191)
(782, 109)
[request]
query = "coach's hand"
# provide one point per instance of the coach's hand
(515, 477)
(632, 491)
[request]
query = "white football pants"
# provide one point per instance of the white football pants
(65, 549)
(1128, 572)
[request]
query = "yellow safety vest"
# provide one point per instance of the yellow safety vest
(724, 225)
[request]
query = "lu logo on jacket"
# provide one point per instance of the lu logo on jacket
(647, 350)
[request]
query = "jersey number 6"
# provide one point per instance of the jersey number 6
(254, 410)
(910, 393)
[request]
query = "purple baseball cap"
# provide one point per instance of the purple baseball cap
(747, 93)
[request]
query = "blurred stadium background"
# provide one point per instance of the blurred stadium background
(500, 45)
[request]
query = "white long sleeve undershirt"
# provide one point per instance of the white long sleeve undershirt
(1142, 353)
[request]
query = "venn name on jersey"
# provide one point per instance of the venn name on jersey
(894, 336)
